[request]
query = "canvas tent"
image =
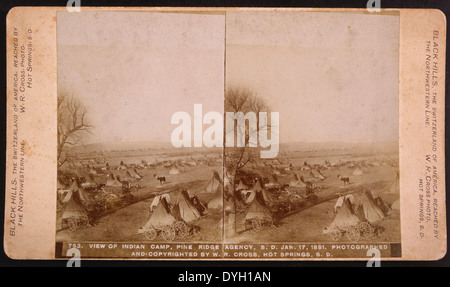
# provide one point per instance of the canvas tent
(257, 209)
(368, 209)
(74, 206)
(214, 184)
(241, 186)
(273, 180)
(260, 192)
(345, 216)
(248, 195)
(379, 202)
(133, 174)
(342, 199)
(357, 171)
(174, 171)
(184, 210)
(296, 182)
(396, 204)
(161, 216)
(113, 181)
(195, 201)
(156, 200)
(62, 195)
(59, 186)
(84, 179)
(305, 168)
(217, 201)
(286, 179)
(227, 185)
(65, 196)
(292, 180)
(266, 196)
(258, 186)
(75, 188)
(99, 179)
(395, 185)
(317, 174)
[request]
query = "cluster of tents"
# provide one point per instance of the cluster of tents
(352, 209)
(89, 195)
(74, 200)
(93, 176)
(258, 208)
(254, 200)
(112, 178)
(164, 214)
(257, 192)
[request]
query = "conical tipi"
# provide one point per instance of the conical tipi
(214, 184)
(345, 217)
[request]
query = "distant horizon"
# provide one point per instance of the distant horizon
(292, 142)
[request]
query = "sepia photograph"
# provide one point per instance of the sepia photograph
(121, 77)
(333, 79)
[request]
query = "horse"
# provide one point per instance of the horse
(345, 180)
(161, 179)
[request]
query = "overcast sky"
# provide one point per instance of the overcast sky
(331, 76)
(135, 69)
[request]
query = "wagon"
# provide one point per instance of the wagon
(312, 188)
(260, 222)
(167, 232)
(161, 222)
(176, 229)
(170, 223)
(75, 215)
(359, 223)
(186, 213)
(362, 230)
(75, 222)
(258, 216)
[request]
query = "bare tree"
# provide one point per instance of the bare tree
(72, 122)
(243, 100)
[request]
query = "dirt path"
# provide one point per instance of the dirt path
(307, 224)
(303, 226)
